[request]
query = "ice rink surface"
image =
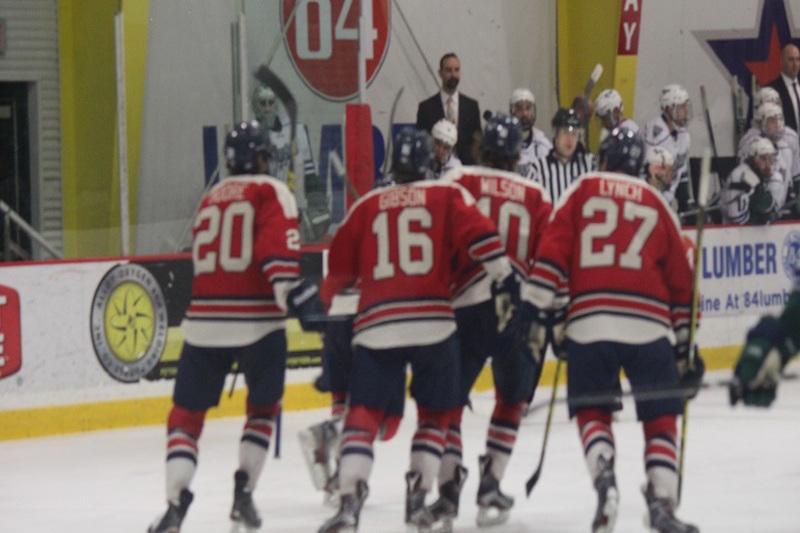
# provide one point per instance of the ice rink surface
(742, 475)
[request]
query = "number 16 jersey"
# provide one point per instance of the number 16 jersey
(398, 243)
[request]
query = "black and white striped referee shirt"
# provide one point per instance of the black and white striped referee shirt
(555, 176)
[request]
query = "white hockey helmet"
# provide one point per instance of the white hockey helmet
(761, 146)
(761, 117)
(446, 132)
(262, 102)
(672, 95)
(607, 101)
(658, 156)
(766, 94)
(522, 95)
(674, 101)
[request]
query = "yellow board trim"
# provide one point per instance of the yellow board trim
(625, 81)
(56, 420)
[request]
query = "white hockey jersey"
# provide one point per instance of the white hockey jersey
(787, 161)
(538, 145)
(739, 187)
(656, 133)
(450, 164)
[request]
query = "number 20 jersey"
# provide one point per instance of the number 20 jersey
(245, 244)
(617, 244)
(398, 242)
(519, 208)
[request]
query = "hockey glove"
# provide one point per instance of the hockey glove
(557, 322)
(690, 374)
(761, 205)
(506, 305)
(534, 331)
(304, 303)
(763, 357)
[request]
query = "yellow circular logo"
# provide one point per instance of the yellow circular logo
(129, 322)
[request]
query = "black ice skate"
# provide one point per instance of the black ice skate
(494, 507)
(607, 497)
(318, 443)
(173, 518)
(243, 513)
(446, 507)
(419, 518)
(662, 515)
(346, 520)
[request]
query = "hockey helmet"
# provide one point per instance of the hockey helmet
(262, 102)
(412, 154)
(766, 94)
(607, 101)
(567, 119)
(622, 151)
(761, 117)
(243, 144)
(502, 137)
(446, 132)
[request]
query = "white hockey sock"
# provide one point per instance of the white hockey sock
(426, 453)
(181, 463)
(356, 459)
(253, 447)
(661, 465)
(598, 441)
(453, 455)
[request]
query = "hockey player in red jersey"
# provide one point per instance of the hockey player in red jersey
(246, 257)
(616, 243)
(519, 208)
(397, 243)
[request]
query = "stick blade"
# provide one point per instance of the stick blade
(532, 481)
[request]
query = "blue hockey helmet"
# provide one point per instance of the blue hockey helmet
(502, 137)
(412, 155)
(243, 144)
(622, 151)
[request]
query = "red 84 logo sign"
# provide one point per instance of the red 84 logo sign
(322, 41)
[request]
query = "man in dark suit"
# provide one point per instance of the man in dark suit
(458, 108)
(787, 85)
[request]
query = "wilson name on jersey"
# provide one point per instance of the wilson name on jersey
(397, 244)
(245, 245)
(616, 244)
(519, 209)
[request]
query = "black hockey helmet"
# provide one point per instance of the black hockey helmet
(622, 151)
(502, 137)
(411, 155)
(243, 144)
(566, 118)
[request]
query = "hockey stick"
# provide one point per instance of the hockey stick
(538, 472)
(389, 140)
(594, 77)
(707, 117)
(702, 197)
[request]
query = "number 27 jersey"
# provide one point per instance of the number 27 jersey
(245, 244)
(617, 244)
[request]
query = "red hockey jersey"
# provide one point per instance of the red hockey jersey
(246, 255)
(518, 207)
(617, 244)
(398, 243)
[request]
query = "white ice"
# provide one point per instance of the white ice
(742, 475)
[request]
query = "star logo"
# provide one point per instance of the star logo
(755, 52)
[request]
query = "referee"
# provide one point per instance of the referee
(567, 160)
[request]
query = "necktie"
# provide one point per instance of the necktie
(797, 104)
(450, 112)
